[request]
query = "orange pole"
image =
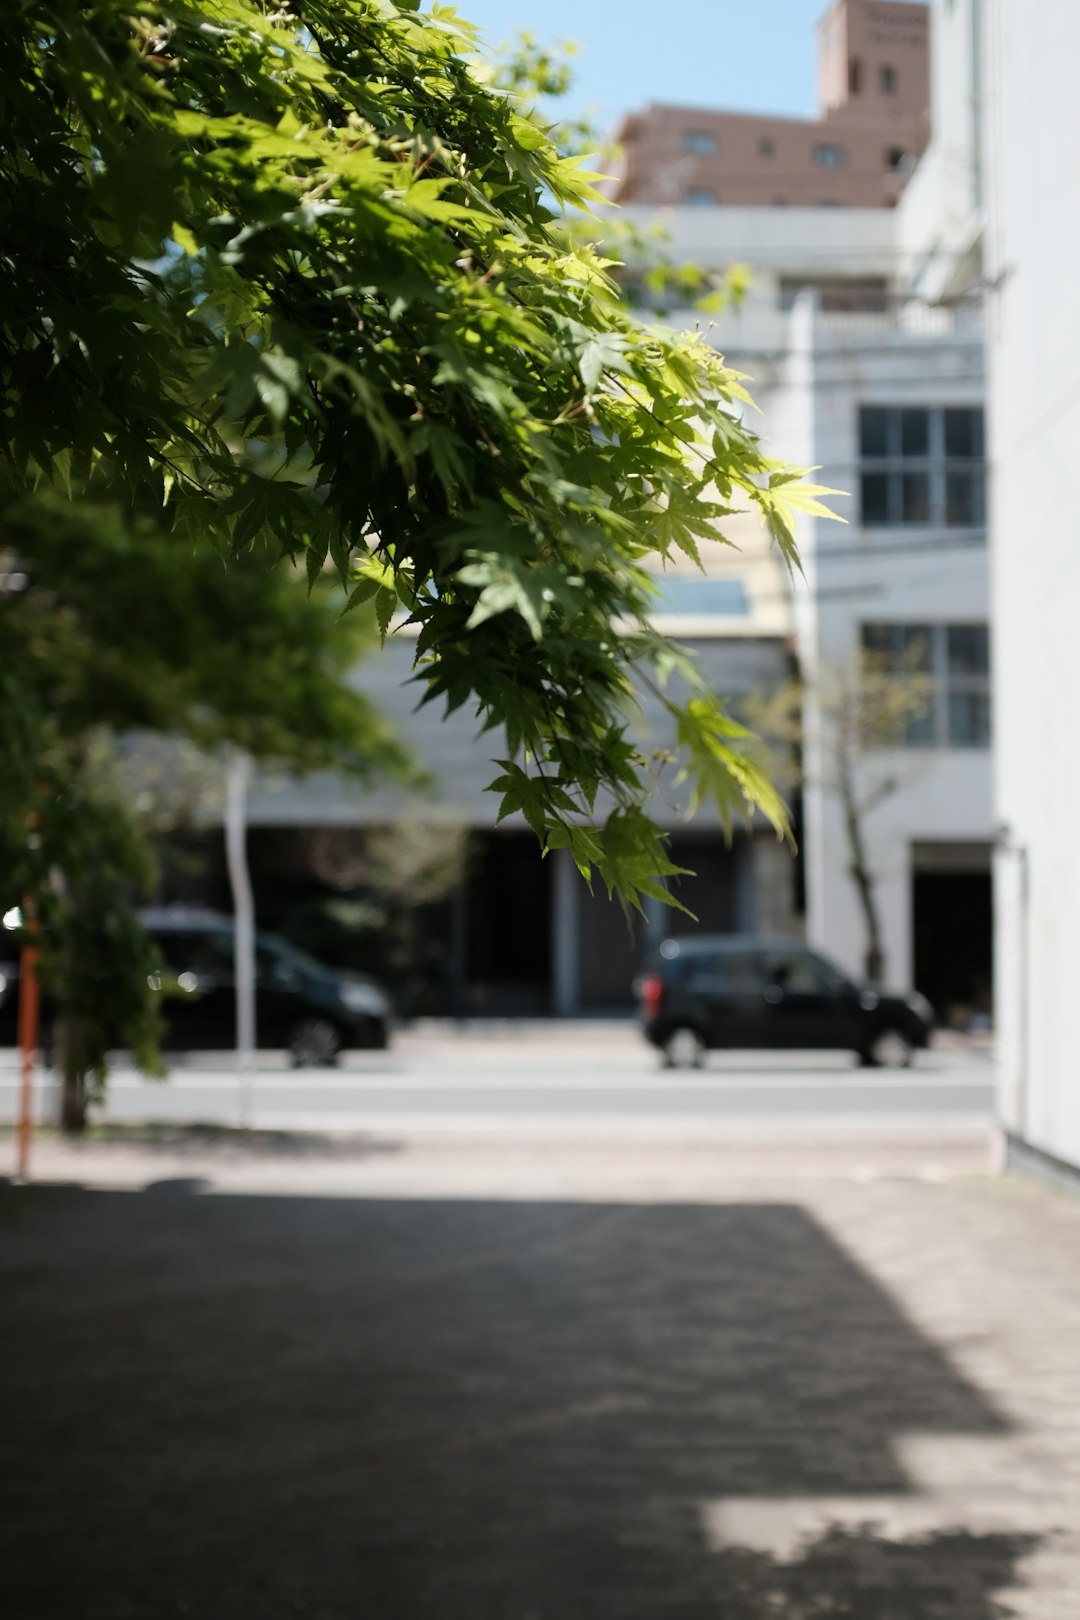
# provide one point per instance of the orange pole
(29, 1008)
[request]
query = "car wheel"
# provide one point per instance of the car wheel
(315, 1043)
(892, 1049)
(376, 1038)
(684, 1048)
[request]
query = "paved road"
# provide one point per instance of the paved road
(263, 1377)
(558, 1079)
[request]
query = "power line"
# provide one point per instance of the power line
(842, 254)
(866, 551)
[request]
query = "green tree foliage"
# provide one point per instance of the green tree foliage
(296, 278)
(118, 623)
(107, 627)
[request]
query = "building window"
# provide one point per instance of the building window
(699, 197)
(921, 466)
(854, 76)
(948, 666)
(699, 141)
(887, 79)
(697, 598)
(830, 157)
(835, 297)
(899, 160)
(766, 146)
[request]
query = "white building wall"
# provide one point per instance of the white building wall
(835, 364)
(940, 214)
(1033, 236)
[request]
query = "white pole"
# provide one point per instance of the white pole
(244, 929)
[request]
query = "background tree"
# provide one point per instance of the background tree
(292, 279)
(385, 877)
(108, 629)
(840, 730)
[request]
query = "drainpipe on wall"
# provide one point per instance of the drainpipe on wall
(1007, 845)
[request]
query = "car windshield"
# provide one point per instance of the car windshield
(291, 955)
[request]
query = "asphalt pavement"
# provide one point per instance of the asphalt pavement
(742, 1371)
(556, 1076)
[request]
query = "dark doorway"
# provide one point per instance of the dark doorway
(953, 935)
(612, 950)
(508, 923)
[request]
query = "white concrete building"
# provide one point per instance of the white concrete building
(1032, 146)
(864, 342)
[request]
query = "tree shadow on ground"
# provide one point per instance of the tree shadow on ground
(258, 1406)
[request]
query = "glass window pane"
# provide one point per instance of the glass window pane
(914, 433)
(795, 972)
(922, 728)
(829, 978)
(873, 431)
(968, 649)
(915, 492)
(964, 434)
(914, 648)
(698, 597)
(969, 719)
(877, 640)
(875, 498)
(964, 507)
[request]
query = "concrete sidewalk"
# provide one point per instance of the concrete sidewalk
(547, 1381)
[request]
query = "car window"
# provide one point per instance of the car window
(831, 977)
(187, 950)
(274, 966)
(283, 952)
(724, 972)
(801, 973)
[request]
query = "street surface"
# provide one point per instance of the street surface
(551, 1077)
(745, 1369)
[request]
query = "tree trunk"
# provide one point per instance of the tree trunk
(71, 1061)
(862, 877)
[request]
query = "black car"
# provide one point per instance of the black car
(313, 1010)
(705, 992)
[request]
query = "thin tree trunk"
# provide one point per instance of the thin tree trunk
(862, 877)
(70, 1056)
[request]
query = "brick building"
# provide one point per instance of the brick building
(873, 74)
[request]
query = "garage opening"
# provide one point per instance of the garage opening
(953, 929)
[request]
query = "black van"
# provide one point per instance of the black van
(705, 992)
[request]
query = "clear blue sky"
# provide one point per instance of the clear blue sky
(741, 55)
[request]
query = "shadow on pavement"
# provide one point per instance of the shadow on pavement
(233, 1406)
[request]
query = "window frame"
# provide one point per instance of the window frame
(936, 729)
(700, 142)
(897, 466)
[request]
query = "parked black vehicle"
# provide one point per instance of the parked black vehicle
(705, 992)
(313, 1010)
